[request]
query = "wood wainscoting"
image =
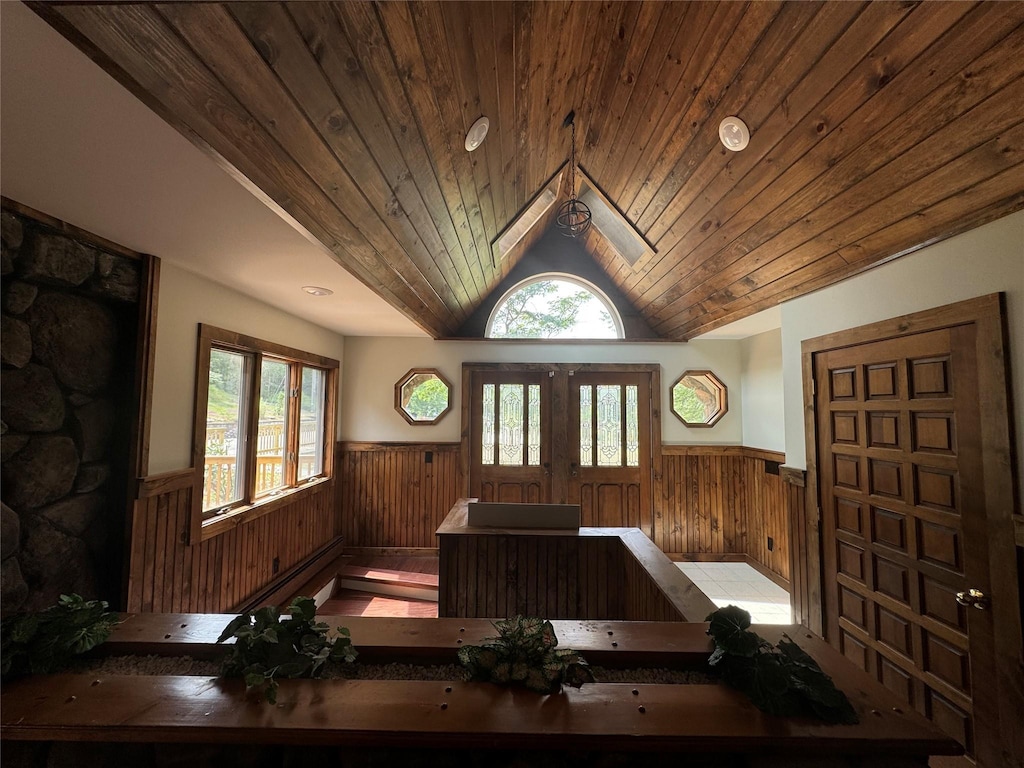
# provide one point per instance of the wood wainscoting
(722, 500)
(396, 494)
(165, 574)
(714, 500)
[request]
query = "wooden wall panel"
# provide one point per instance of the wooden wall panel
(168, 576)
(396, 494)
(804, 591)
(721, 500)
(642, 599)
(552, 576)
(708, 499)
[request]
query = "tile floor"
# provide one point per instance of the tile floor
(740, 584)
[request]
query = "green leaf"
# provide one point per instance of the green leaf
(233, 626)
(524, 652)
(783, 680)
(303, 608)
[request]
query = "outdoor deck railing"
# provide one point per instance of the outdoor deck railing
(219, 470)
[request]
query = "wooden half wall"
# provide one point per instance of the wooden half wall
(721, 500)
(709, 500)
(395, 495)
(220, 573)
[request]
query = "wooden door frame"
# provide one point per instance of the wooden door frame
(988, 314)
(560, 398)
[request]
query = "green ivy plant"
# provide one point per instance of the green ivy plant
(525, 652)
(35, 643)
(268, 647)
(780, 680)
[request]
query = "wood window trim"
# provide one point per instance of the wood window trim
(209, 337)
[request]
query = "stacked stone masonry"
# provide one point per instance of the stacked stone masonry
(69, 312)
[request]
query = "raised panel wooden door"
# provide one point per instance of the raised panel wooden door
(609, 439)
(511, 436)
(903, 511)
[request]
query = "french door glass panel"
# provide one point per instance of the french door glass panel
(609, 421)
(511, 425)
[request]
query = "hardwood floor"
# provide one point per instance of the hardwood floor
(348, 602)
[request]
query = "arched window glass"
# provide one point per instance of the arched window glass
(554, 306)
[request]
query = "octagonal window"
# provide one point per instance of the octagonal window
(423, 396)
(699, 399)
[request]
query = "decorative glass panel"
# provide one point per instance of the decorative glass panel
(271, 444)
(533, 453)
(632, 428)
(487, 454)
(510, 415)
(312, 400)
(609, 425)
(226, 407)
(586, 426)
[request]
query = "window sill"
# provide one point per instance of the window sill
(215, 526)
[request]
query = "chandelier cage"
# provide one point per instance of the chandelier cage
(574, 217)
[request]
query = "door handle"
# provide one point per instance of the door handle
(547, 468)
(973, 597)
(572, 469)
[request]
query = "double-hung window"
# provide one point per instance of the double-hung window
(263, 428)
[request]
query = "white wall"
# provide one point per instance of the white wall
(985, 260)
(764, 424)
(186, 300)
(373, 365)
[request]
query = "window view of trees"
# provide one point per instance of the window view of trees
(422, 396)
(427, 399)
(552, 309)
(230, 382)
(699, 398)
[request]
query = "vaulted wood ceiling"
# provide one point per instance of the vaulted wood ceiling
(876, 128)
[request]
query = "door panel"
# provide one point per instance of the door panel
(510, 436)
(609, 448)
(898, 436)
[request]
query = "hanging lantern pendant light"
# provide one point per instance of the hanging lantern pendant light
(573, 215)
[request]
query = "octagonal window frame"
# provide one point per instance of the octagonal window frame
(400, 384)
(723, 398)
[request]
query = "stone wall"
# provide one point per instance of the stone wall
(67, 349)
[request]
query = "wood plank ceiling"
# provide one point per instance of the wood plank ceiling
(876, 128)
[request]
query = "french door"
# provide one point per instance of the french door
(562, 433)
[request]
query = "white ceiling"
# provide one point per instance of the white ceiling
(765, 320)
(76, 145)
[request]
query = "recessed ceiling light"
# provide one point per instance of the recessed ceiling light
(477, 133)
(734, 133)
(316, 290)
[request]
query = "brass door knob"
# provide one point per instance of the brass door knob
(974, 597)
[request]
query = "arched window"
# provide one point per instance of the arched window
(554, 306)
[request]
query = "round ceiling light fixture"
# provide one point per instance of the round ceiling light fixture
(316, 290)
(734, 133)
(477, 133)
